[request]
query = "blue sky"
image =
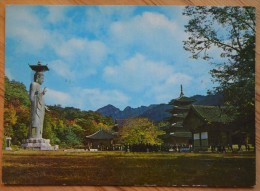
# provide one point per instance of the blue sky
(99, 55)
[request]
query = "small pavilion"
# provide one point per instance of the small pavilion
(101, 140)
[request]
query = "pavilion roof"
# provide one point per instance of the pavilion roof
(101, 135)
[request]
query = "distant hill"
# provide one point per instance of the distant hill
(208, 99)
(155, 112)
(109, 110)
(128, 112)
(133, 112)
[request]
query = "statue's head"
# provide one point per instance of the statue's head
(39, 77)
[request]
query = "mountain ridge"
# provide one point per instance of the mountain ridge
(155, 112)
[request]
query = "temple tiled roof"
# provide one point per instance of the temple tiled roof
(213, 113)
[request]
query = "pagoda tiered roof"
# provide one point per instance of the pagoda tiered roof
(179, 115)
(172, 126)
(185, 107)
(178, 124)
(182, 101)
(182, 134)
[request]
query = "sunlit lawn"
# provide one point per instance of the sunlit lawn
(121, 168)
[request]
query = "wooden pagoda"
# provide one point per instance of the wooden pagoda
(175, 133)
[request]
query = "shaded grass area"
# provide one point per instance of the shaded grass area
(120, 168)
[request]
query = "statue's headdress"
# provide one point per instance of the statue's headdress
(39, 67)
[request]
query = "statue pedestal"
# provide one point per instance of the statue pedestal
(38, 144)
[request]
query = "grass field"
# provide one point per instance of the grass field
(120, 168)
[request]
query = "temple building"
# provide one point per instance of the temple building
(175, 133)
(211, 127)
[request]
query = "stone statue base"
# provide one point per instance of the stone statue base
(39, 144)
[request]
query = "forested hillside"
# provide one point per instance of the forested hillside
(66, 127)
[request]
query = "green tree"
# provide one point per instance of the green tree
(231, 30)
(20, 132)
(10, 119)
(89, 126)
(15, 92)
(71, 138)
(139, 131)
(48, 129)
(79, 132)
(16, 111)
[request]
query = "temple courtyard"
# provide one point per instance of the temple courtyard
(129, 168)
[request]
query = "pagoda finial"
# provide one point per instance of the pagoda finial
(182, 94)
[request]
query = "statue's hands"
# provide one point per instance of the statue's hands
(44, 91)
(47, 109)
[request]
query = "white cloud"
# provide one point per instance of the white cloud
(71, 53)
(96, 98)
(24, 26)
(8, 74)
(57, 97)
(147, 26)
(156, 80)
(151, 34)
(137, 73)
(98, 19)
(82, 56)
(88, 99)
(56, 14)
(170, 88)
(62, 69)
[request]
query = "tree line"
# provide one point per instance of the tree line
(68, 127)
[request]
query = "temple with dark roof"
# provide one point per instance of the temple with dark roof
(211, 126)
